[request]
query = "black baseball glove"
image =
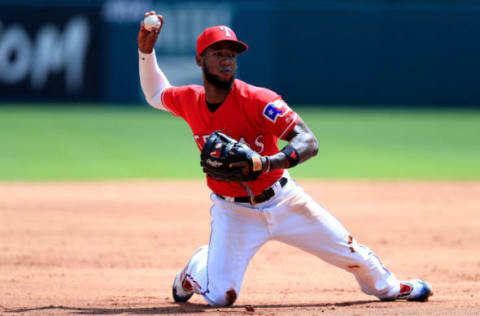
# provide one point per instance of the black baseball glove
(226, 159)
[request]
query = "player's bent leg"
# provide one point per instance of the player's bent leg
(217, 272)
(304, 224)
(193, 280)
(237, 234)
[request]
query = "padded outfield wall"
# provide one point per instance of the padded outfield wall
(311, 52)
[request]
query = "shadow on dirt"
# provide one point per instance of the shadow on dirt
(183, 308)
(186, 308)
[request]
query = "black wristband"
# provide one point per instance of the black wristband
(292, 155)
(268, 163)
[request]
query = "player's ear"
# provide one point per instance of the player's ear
(198, 59)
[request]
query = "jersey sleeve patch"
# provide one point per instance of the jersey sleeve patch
(275, 109)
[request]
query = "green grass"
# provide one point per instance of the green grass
(395, 144)
(74, 143)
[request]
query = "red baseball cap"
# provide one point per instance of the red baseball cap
(217, 34)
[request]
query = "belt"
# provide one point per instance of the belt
(262, 197)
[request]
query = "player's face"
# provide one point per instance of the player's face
(220, 64)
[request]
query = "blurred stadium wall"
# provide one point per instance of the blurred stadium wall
(410, 52)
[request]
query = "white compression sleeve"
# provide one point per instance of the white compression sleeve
(152, 80)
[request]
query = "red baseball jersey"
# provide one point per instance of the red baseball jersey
(252, 115)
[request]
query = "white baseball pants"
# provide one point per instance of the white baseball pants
(292, 217)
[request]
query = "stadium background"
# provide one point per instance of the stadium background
(313, 52)
(390, 88)
(102, 198)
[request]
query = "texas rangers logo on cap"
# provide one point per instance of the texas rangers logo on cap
(275, 109)
(216, 34)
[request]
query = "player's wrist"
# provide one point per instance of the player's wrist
(292, 156)
(146, 50)
(266, 164)
(145, 53)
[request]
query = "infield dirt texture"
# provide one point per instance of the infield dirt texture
(113, 248)
(74, 243)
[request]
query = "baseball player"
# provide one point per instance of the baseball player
(245, 215)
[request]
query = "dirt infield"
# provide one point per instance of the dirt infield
(114, 248)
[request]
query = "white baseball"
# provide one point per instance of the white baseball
(151, 22)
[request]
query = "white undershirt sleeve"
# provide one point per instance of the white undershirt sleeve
(152, 80)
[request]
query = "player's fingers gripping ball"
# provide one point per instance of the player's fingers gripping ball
(152, 22)
(226, 159)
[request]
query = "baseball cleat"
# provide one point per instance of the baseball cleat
(182, 289)
(413, 290)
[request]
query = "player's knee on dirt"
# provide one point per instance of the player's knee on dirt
(222, 298)
(230, 297)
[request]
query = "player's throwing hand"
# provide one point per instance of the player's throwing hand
(146, 38)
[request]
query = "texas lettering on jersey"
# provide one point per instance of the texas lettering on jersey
(258, 145)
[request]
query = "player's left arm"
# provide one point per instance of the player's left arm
(302, 145)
